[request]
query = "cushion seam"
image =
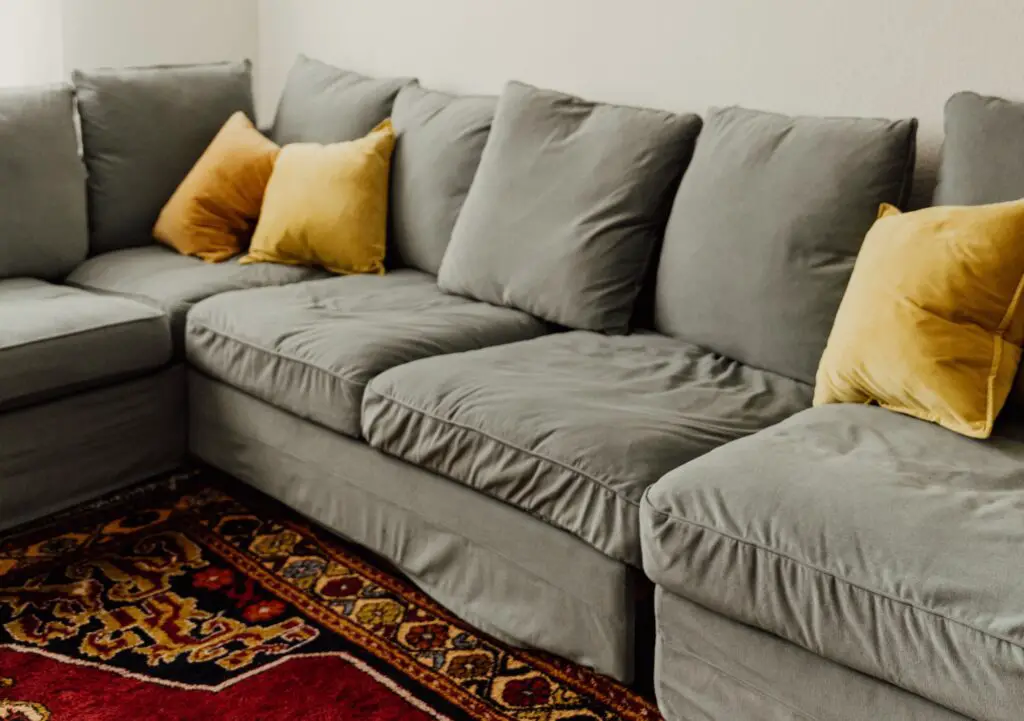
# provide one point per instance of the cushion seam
(746, 684)
(282, 356)
(824, 572)
(505, 443)
(83, 331)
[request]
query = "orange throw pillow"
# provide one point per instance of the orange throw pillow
(212, 213)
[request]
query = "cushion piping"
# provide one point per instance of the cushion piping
(834, 576)
(507, 444)
(277, 354)
(84, 331)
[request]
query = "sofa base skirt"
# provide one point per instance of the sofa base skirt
(501, 570)
(709, 667)
(59, 453)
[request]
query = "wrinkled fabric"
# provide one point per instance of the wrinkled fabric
(497, 568)
(55, 340)
(709, 668)
(440, 140)
(884, 543)
(174, 283)
(56, 454)
(573, 427)
(311, 348)
(44, 230)
(765, 229)
(566, 207)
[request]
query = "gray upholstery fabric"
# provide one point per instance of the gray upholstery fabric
(325, 104)
(173, 282)
(566, 207)
(887, 544)
(56, 340)
(440, 139)
(572, 427)
(501, 570)
(56, 454)
(142, 131)
(980, 157)
(311, 348)
(44, 230)
(765, 229)
(709, 668)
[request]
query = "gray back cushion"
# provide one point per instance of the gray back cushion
(983, 156)
(765, 229)
(43, 224)
(142, 131)
(325, 104)
(983, 162)
(440, 140)
(567, 203)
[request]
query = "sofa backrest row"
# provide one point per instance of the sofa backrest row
(535, 200)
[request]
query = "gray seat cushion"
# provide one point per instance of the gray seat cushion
(58, 340)
(311, 348)
(573, 427)
(567, 206)
(888, 544)
(440, 140)
(44, 230)
(765, 229)
(142, 131)
(324, 104)
(172, 282)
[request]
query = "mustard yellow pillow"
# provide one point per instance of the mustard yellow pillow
(327, 205)
(932, 324)
(212, 213)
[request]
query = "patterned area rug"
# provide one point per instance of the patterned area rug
(192, 597)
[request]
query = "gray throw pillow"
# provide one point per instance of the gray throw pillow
(44, 230)
(766, 227)
(142, 131)
(440, 140)
(983, 155)
(325, 104)
(567, 204)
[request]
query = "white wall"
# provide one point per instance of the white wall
(855, 57)
(42, 41)
(30, 42)
(117, 33)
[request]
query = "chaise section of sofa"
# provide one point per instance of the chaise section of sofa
(88, 400)
(874, 540)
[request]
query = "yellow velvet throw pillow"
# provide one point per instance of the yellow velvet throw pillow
(932, 321)
(327, 205)
(212, 213)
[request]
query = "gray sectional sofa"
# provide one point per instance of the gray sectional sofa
(583, 386)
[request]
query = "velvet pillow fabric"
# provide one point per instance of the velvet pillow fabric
(212, 213)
